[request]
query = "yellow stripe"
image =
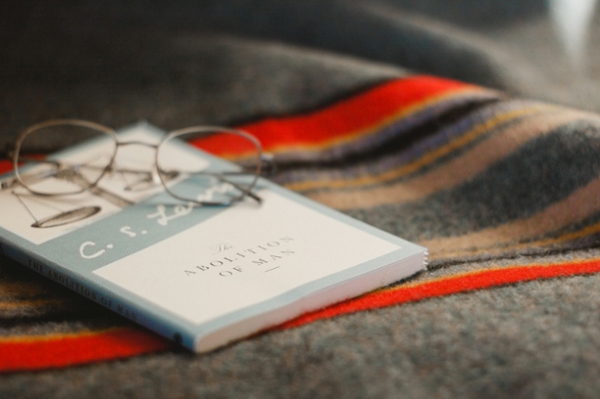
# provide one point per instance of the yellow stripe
(593, 229)
(50, 337)
(30, 303)
(424, 160)
(22, 290)
(539, 243)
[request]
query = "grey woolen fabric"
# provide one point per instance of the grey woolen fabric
(228, 62)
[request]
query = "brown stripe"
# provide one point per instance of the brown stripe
(579, 205)
(472, 162)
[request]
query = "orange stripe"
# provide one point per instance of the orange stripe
(61, 350)
(348, 119)
(448, 286)
(41, 352)
(5, 166)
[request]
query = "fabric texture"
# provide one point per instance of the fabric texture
(425, 119)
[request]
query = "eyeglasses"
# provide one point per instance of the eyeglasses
(77, 154)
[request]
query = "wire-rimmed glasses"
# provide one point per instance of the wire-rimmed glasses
(183, 175)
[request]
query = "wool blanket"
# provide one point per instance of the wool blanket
(504, 191)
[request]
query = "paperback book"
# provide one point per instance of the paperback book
(203, 276)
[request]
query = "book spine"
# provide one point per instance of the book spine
(93, 291)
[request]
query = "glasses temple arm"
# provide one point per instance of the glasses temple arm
(246, 191)
(268, 167)
(221, 176)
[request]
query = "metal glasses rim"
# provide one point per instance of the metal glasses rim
(208, 129)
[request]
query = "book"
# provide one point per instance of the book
(203, 276)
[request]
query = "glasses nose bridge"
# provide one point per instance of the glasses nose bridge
(137, 142)
(126, 143)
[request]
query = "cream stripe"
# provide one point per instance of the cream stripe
(471, 163)
(579, 205)
(593, 229)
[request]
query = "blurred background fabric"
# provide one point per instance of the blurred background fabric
(227, 61)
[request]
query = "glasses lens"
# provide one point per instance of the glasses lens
(191, 176)
(57, 158)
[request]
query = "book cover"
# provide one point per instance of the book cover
(203, 276)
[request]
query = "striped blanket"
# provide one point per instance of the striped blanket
(504, 192)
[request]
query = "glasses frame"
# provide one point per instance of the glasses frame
(201, 131)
